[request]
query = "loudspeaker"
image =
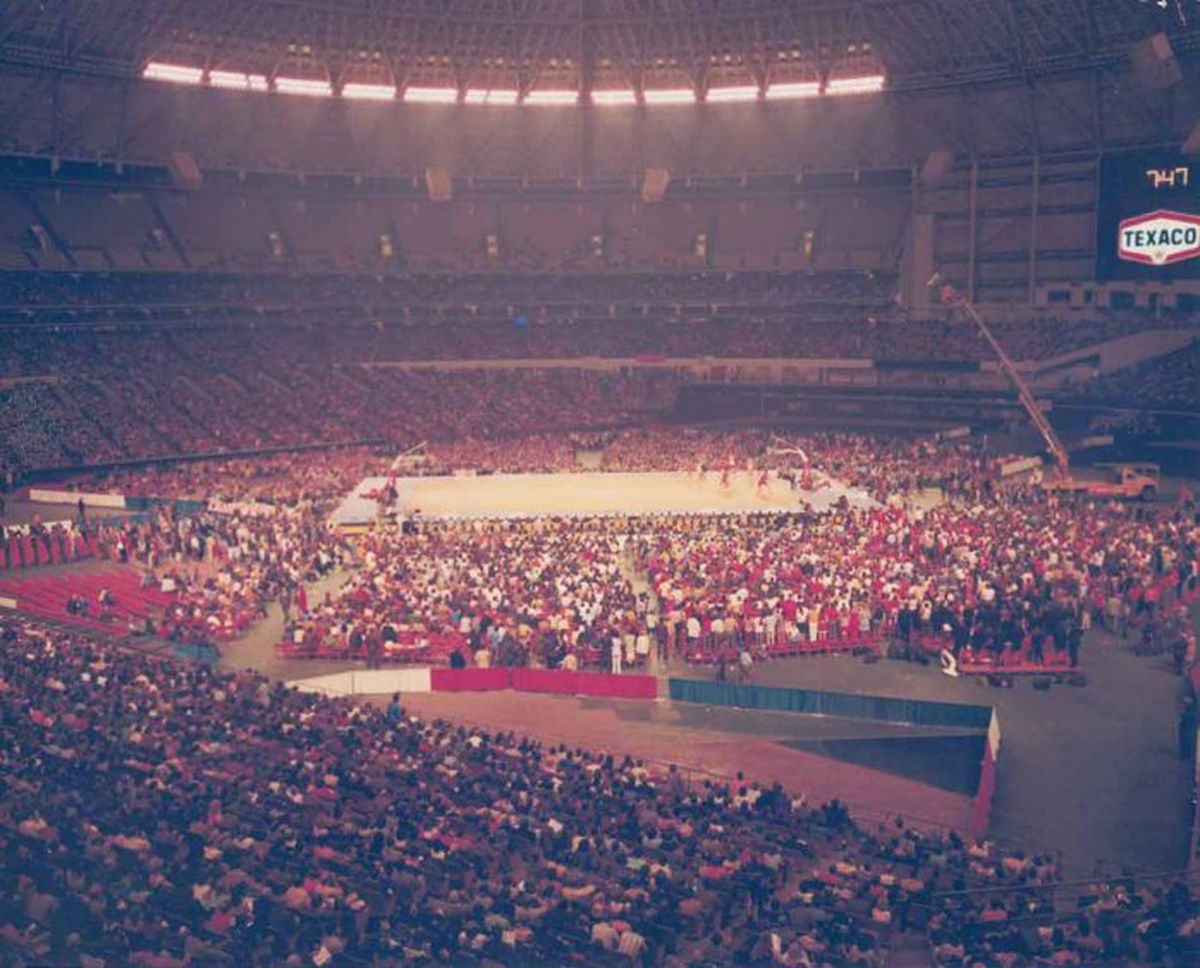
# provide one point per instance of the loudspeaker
(185, 173)
(1154, 63)
(937, 166)
(654, 184)
(492, 245)
(1191, 147)
(438, 184)
(700, 246)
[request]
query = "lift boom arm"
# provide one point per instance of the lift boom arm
(1062, 459)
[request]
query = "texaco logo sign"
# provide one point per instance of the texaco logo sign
(1159, 238)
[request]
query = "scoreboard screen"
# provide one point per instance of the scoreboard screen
(1148, 223)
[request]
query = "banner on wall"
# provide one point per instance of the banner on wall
(251, 508)
(45, 495)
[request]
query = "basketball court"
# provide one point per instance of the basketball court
(588, 493)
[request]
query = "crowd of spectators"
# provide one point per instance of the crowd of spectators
(609, 332)
(1021, 575)
(684, 449)
(883, 467)
(879, 465)
(1140, 922)
(226, 568)
(291, 478)
(163, 814)
(998, 573)
(887, 467)
(516, 315)
(526, 454)
(256, 402)
(547, 591)
(37, 430)
(36, 294)
(997, 570)
(1170, 382)
(112, 393)
(165, 289)
(227, 820)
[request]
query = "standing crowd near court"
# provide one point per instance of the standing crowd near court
(997, 572)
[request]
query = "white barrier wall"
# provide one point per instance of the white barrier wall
(371, 682)
(1019, 466)
(47, 496)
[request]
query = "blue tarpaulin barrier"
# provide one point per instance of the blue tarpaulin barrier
(850, 705)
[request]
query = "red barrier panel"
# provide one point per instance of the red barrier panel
(1055, 662)
(585, 684)
(981, 813)
(620, 687)
(545, 680)
(468, 680)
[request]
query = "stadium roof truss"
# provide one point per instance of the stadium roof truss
(585, 44)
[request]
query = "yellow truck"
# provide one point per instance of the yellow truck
(1134, 481)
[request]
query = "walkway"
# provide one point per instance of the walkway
(256, 649)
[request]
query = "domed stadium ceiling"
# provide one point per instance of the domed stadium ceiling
(586, 45)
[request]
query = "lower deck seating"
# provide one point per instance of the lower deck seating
(47, 595)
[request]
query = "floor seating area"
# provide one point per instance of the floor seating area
(46, 595)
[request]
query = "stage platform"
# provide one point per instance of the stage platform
(586, 493)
